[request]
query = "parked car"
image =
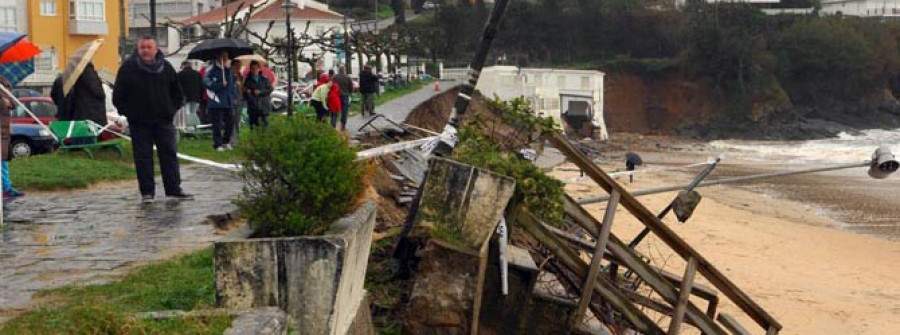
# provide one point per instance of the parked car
(428, 5)
(302, 94)
(42, 107)
(25, 92)
(30, 139)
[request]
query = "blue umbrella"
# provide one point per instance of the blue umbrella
(15, 72)
(8, 39)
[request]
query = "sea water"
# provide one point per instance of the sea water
(860, 203)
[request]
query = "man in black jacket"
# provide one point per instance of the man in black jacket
(192, 88)
(368, 86)
(148, 94)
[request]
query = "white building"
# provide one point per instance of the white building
(14, 15)
(573, 96)
(682, 3)
(176, 10)
(862, 8)
(320, 18)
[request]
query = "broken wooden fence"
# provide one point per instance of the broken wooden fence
(675, 292)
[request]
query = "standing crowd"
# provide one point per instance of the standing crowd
(150, 94)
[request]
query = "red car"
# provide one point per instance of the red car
(45, 110)
(42, 107)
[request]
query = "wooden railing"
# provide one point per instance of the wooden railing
(681, 310)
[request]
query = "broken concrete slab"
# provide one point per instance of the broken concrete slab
(443, 294)
(317, 280)
(465, 201)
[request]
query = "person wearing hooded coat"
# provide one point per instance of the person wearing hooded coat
(87, 101)
(257, 89)
(147, 92)
(334, 102)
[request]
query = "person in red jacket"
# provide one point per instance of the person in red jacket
(334, 103)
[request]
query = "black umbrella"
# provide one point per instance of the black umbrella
(209, 49)
(633, 158)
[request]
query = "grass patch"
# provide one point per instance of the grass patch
(73, 170)
(70, 170)
(203, 148)
(385, 11)
(184, 283)
(388, 95)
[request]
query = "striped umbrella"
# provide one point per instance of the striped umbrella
(15, 72)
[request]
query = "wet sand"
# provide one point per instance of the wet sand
(819, 265)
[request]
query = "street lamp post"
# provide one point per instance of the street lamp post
(288, 8)
(394, 37)
(153, 18)
(348, 57)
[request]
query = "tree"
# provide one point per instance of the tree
(725, 45)
(821, 59)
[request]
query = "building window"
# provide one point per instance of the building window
(46, 61)
(87, 10)
(8, 19)
(48, 7)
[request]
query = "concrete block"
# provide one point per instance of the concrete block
(317, 280)
(259, 321)
(443, 293)
(464, 200)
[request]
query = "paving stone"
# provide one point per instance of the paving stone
(89, 236)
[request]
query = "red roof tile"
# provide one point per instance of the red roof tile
(276, 12)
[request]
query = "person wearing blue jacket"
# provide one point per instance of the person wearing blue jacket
(221, 92)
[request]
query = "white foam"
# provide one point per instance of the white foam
(845, 147)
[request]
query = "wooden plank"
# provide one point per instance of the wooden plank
(684, 296)
(604, 288)
(701, 291)
(629, 258)
(657, 306)
(664, 233)
(594, 270)
(732, 325)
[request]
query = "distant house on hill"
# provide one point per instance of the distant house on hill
(887, 9)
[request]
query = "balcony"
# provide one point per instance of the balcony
(84, 27)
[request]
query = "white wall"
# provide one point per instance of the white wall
(543, 87)
(21, 7)
(864, 8)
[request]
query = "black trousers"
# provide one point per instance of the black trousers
(143, 138)
(258, 118)
(321, 111)
(222, 125)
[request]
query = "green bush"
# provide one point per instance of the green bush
(300, 176)
(486, 145)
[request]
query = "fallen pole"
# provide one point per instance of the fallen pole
(664, 189)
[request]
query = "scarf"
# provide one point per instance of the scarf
(154, 67)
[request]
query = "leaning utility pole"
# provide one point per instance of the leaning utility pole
(447, 140)
(448, 137)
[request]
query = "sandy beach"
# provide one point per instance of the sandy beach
(798, 260)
